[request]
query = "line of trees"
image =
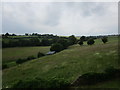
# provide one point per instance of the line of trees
(90, 40)
(31, 41)
(54, 41)
(41, 40)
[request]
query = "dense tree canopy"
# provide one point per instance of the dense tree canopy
(72, 39)
(56, 47)
(90, 41)
(64, 42)
(83, 38)
(80, 42)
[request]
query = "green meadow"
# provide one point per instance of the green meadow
(68, 64)
(12, 54)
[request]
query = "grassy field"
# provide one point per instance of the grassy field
(68, 64)
(12, 54)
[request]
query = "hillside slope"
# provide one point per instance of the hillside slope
(69, 63)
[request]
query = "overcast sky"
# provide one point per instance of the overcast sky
(61, 18)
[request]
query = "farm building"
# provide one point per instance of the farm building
(51, 52)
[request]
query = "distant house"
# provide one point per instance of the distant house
(50, 53)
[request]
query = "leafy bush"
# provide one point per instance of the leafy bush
(41, 83)
(83, 38)
(19, 61)
(4, 66)
(112, 72)
(72, 39)
(56, 47)
(90, 41)
(80, 42)
(93, 78)
(30, 57)
(104, 39)
(64, 42)
(40, 54)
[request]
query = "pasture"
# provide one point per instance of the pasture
(68, 64)
(12, 54)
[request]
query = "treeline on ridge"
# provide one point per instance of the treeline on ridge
(13, 40)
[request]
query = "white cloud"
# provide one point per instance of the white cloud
(61, 18)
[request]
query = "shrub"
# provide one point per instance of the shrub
(40, 54)
(72, 39)
(80, 42)
(112, 72)
(90, 41)
(93, 78)
(30, 57)
(57, 47)
(83, 38)
(104, 39)
(4, 66)
(19, 61)
(64, 42)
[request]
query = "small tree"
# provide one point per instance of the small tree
(83, 38)
(26, 34)
(40, 54)
(64, 42)
(90, 41)
(7, 34)
(104, 39)
(80, 42)
(56, 47)
(72, 39)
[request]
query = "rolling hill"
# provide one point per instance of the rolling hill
(68, 64)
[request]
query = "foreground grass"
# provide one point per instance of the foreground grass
(68, 64)
(12, 54)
